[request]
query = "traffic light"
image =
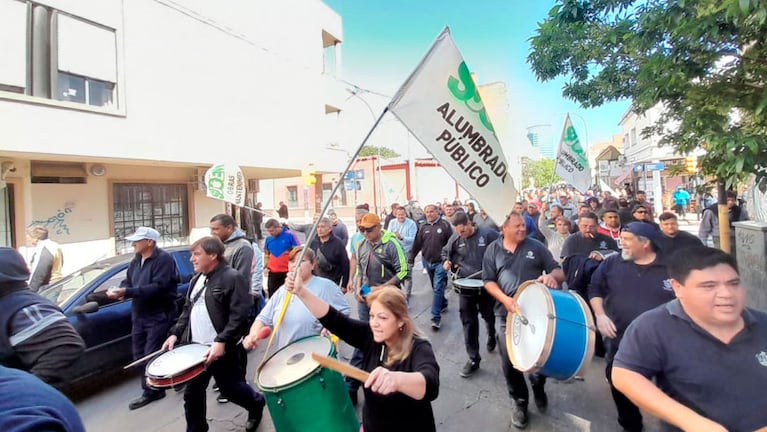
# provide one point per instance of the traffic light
(691, 164)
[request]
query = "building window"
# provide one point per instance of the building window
(79, 89)
(163, 207)
(50, 54)
(633, 137)
(292, 196)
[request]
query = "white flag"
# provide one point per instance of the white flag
(226, 182)
(440, 104)
(572, 164)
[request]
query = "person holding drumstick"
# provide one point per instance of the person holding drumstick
(706, 351)
(404, 374)
(216, 314)
(508, 262)
(298, 322)
(464, 251)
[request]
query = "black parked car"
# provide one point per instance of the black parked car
(103, 323)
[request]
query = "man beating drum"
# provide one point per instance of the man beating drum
(216, 314)
(508, 262)
(464, 251)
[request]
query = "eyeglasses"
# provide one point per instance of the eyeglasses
(364, 230)
(641, 211)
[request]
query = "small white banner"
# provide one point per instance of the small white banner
(226, 183)
(440, 104)
(572, 164)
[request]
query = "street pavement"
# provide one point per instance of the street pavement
(480, 402)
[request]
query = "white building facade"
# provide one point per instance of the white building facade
(112, 110)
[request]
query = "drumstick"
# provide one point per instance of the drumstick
(521, 317)
(143, 359)
(338, 366)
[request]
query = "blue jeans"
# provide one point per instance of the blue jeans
(438, 278)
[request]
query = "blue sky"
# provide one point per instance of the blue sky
(385, 40)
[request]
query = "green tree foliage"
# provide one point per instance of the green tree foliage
(540, 170)
(705, 61)
(386, 152)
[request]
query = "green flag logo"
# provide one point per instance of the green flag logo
(464, 89)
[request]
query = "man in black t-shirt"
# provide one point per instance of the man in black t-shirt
(587, 241)
(509, 262)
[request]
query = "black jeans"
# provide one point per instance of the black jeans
(148, 334)
(274, 281)
(470, 306)
(515, 380)
(230, 377)
(629, 416)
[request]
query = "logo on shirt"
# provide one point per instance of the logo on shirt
(762, 358)
(602, 245)
(439, 230)
(530, 255)
(482, 242)
(667, 285)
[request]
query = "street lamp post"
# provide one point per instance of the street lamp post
(356, 93)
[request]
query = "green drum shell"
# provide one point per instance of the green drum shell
(317, 402)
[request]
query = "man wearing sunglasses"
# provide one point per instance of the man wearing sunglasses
(380, 262)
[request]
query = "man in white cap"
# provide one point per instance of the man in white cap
(151, 283)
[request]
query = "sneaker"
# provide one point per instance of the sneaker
(254, 419)
(435, 325)
(222, 399)
(215, 387)
(541, 400)
(491, 343)
(469, 368)
(519, 416)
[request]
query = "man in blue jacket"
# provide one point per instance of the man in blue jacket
(151, 283)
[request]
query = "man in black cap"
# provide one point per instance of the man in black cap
(37, 337)
(622, 288)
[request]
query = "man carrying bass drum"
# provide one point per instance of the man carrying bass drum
(508, 262)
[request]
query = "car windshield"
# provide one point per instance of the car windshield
(64, 289)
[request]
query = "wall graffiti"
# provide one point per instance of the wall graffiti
(56, 224)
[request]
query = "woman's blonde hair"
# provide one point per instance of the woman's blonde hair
(394, 300)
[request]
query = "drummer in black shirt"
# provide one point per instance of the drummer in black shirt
(508, 262)
(464, 252)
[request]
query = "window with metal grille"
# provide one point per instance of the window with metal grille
(160, 206)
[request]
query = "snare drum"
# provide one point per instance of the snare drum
(558, 340)
(469, 287)
(302, 395)
(176, 366)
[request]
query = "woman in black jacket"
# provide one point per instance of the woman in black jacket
(404, 374)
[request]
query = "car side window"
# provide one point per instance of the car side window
(99, 294)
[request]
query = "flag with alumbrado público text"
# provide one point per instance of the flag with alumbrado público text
(571, 163)
(440, 104)
(226, 183)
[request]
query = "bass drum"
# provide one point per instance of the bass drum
(558, 340)
(302, 395)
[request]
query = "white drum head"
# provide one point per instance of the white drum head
(527, 342)
(177, 360)
(293, 362)
(469, 283)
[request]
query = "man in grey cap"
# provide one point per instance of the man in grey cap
(151, 283)
(622, 288)
(36, 337)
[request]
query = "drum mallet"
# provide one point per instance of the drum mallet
(341, 367)
(143, 359)
(521, 317)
